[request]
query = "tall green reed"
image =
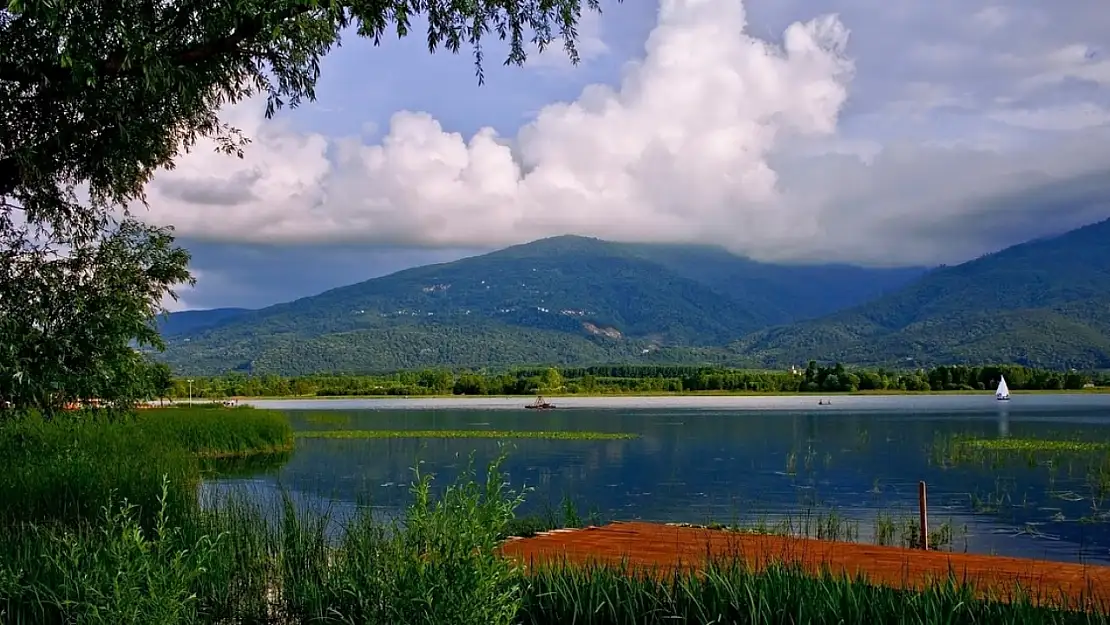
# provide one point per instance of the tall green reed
(727, 591)
(67, 468)
(439, 564)
(229, 432)
(117, 572)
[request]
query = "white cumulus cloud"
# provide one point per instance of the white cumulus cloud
(715, 135)
(677, 151)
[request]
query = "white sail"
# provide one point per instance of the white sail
(1003, 391)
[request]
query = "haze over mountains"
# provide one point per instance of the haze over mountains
(575, 300)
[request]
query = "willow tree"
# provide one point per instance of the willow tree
(95, 97)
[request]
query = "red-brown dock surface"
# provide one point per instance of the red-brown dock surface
(665, 547)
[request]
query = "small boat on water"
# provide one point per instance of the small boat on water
(1002, 393)
(540, 404)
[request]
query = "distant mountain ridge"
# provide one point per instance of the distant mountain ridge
(564, 299)
(575, 300)
(1043, 303)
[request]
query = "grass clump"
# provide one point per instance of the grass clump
(727, 591)
(498, 434)
(114, 572)
(66, 469)
(440, 563)
(214, 433)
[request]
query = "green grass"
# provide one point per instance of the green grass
(726, 591)
(497, 434)
(226, 432)
(68, 468)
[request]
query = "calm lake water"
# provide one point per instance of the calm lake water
(728, 459)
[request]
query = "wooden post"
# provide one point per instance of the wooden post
(923, 506)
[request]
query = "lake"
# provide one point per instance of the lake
(727, 459)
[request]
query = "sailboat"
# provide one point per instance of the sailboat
(1002, 393)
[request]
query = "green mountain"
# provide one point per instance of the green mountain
(190, 321)
(568, 300)
(1044, 303)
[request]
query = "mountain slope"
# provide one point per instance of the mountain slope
(792, 292)
(565, 299)
(1042, 303)
(191, 321)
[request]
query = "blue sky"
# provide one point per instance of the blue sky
(866, 131)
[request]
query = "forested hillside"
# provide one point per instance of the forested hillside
(1045, 303)
(564, 300)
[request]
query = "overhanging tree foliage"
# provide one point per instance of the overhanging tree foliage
(69, 321)
(96, 96)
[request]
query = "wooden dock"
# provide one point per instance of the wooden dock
(667, 547)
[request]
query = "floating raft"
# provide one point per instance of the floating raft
(669, 547)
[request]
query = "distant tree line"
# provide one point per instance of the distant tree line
(630, 379)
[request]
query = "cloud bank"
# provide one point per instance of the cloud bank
(714, 136)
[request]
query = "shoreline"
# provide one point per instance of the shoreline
(719, 394)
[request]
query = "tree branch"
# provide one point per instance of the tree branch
(9, 175)
(114, 64)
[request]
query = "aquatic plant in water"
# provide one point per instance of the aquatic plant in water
(568, 435)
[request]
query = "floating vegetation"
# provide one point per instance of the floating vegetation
(998, 452)
(498, 434)
(1085, 463)
(1034, 445)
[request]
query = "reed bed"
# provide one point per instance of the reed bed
(564, 435)
(66, 469)
(727, 591)
(216, 433)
